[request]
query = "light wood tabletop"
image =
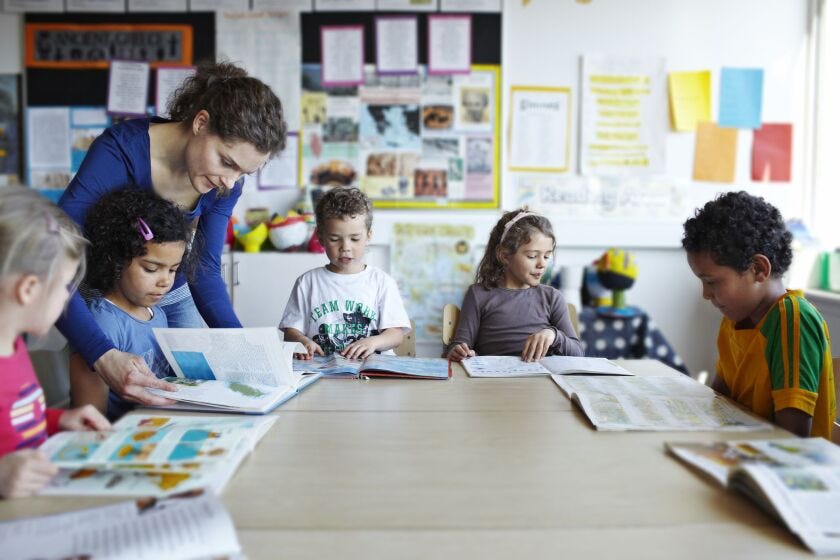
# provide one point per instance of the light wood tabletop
(467, 468)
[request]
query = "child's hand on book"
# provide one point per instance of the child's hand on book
(461, 352)
(83, 418)
(538, 344)
(311, 349)
(24, 473)
(360, 349)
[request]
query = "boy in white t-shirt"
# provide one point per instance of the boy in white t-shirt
(346, 306)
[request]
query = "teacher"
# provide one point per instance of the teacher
(223, 124)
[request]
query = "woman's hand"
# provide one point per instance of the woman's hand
(128, 376)
(83, 418)
(537, 345)
(461, 352)
(24, 473)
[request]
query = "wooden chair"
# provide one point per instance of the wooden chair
(835, 434)
(408, 346)
(452, 311)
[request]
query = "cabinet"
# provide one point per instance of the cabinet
(260, 283)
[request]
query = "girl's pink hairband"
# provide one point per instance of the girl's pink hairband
(513, 221)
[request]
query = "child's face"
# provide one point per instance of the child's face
(738, 295)
(524, 268)
(148, 278)
(52, 299)
(213, 163)
(345, 240)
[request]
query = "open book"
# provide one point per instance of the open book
(153, 455)
(796, 480)
(514, 366)
(376, 365)
(231, 370)
(191, 525)
(655, 404)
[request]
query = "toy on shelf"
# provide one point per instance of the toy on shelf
(617, 272)
(288, 232)
(251, 239)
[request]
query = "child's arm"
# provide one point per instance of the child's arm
(294, 335)
(469, 319)
(795, 421)
(387, 339)
(86, 387)
(24, 473)
(538, 344)
(565, 341)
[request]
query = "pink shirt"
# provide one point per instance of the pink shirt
(25, 420)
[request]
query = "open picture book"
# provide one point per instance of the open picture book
(514, 366)
(145, 455)
(245, 370)
(655, 403)
(375, 365)
(796, 480)
(184, 526)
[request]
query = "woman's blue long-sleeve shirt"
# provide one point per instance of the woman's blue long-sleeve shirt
(119, 157)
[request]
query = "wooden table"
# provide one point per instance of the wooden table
(490, 468)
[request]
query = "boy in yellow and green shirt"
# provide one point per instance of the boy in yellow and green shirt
(774, 352)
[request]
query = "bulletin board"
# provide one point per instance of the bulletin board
(545, 45)
(416, 141)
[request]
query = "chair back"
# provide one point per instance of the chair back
(573, 316)
(408, 346)
(835, 434)
(450, 322)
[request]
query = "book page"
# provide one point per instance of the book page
(654, 404)
(437, 368)
(329, 366)
(564, 365)
(249, 355)
(190, 526)
(229, 395)
(502, 366)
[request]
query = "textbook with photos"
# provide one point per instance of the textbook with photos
(655, 403)
(796, 480)
(514, 366)
(375, 365)
(185, 526)
(145, 455)
(245, 370)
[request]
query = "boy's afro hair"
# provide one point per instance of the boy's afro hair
(735, 227)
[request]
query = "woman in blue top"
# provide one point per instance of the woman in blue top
(223, 124)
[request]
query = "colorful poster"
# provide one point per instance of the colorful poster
(433, 265)
(771, 153)
(714, 153)
(740, 97)
(408, 141)
(623, 116)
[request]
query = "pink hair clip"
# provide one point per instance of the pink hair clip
(52, 223)
(145, 230)
(515, 219)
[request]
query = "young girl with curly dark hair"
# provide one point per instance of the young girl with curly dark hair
(507, 312)
(137, 246)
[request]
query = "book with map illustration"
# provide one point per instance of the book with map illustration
(146, 455)
(231, 370)
(796, 480)
(375, 365)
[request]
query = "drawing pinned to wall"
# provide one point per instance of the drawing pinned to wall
(399, 139)
(167, 80)
(128, 88)
(691, 99)
(9, 130)
(342, 55)
(575, 197)
(624, 116)
(433, 265)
